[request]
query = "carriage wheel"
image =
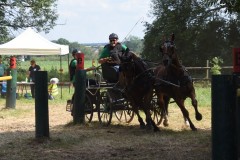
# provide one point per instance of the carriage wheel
(88, 109)
(157, 113)
(105, 109)
(126, 115)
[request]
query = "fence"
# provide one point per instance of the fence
(203, 73)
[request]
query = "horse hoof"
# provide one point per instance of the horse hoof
(187, 123)
(142, 126)
(165, 123)
(148, 128)
(198, 117)
(156, 130)
(194, 129)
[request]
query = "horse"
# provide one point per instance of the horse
(180, 86)
(138, 86)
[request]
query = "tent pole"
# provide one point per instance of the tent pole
(61, 72)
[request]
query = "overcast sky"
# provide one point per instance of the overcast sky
(91, 21)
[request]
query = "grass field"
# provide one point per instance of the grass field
(52, 66)
(47, 65)
(93, 141)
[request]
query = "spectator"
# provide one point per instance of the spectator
(31, 75)
(53, 88)
(2, 70)
(72, 66)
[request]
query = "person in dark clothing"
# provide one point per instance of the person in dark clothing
(31, 75)
(109, 58)
(73, 66)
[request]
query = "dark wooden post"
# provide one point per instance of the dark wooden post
(41, 104)
(237, 113)
(223, 118)
(79, 97)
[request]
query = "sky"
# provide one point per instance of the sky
(91, 21)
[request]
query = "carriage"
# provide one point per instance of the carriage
(106, 99)
(143, 89)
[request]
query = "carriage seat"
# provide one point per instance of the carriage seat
(110, 73)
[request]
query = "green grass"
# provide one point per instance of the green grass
(53, 67)
(48, 65)
(65, 93)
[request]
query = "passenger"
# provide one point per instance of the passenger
(109, 58)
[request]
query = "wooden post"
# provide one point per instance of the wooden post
(207, 72)
(41, 104)
(11, 89)
(79, 97)
(223, 118)
(236, 78)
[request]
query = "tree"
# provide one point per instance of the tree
(174, 16)
(62, 41)
(20, 14)
(201, 33)
(75, 45)
(230, 6)
(134, 43)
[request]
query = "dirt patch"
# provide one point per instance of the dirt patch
(93, 141)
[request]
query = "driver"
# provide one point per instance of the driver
(112, 50)
(109, 58)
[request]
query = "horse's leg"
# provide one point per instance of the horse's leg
(140, 120)
(136, 111)
(186, 121)
(146, 108)
(163, 105)
(198, 115)
(165, 110)
(180, 103)
(150, 122)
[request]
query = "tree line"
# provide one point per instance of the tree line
(203, 29)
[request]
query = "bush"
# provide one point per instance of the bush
(216, 68)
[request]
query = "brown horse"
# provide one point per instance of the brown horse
(138, 83)
(180, 86)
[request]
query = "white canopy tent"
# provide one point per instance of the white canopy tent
(31, 43)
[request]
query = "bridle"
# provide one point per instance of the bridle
(132, 68)
(168, 50)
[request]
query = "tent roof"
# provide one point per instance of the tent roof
(31, 43)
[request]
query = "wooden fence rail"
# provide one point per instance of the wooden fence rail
(206, 69)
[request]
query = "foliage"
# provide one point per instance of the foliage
(40, 14)
(200, 35)
(216, 68)
(228, 6)
(88, 51)
(134, 43)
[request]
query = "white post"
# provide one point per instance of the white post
(207, 72)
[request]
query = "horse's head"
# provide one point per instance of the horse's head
(126, 67)
(131, 66)
(168, 50)
(126, 56)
